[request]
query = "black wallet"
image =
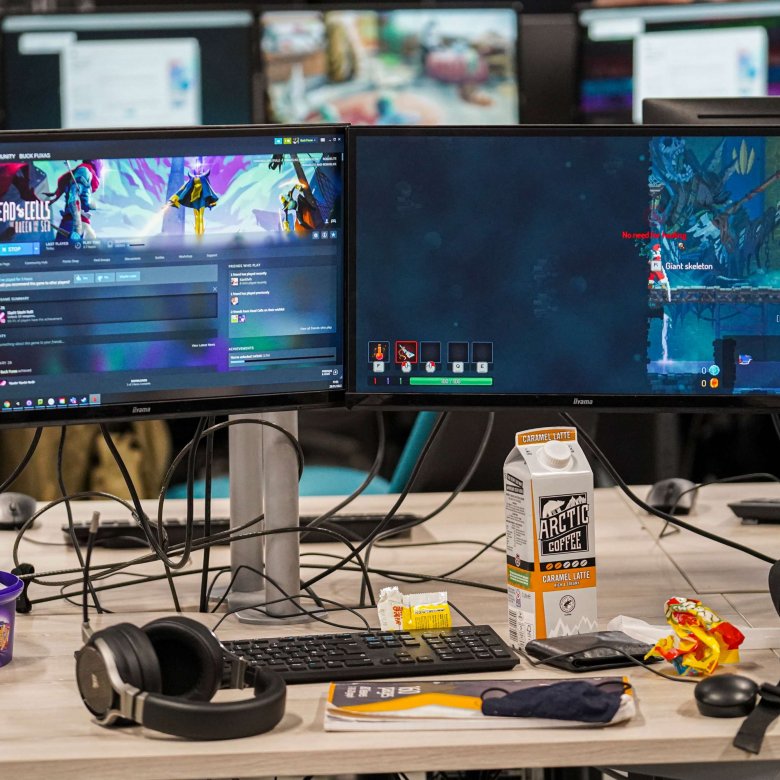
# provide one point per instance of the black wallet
(586, 652)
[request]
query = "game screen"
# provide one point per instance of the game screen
(155, 69)
(169, 268)
(394, 67)
(567, 265)
(700, 50)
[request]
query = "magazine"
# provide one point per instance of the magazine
(447, 704)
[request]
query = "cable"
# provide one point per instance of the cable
(203, 605)
(139, 511)
(651, 509)
(755, 477)
(402, 545)
(628, 657)
(386, 519)
(69, 513)
(22, 465)
(776, 423)
(87, 584)
(287, 597)
(379, 535)
(372, 472)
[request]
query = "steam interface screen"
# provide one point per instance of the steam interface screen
(162, 269)
(567, 265)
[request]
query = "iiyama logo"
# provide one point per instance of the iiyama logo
(583, 402)
(141, 409)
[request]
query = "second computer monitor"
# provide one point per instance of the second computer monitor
(392, 65)
(586, 267)
(150, 69)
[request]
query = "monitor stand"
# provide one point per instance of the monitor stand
(264, 473)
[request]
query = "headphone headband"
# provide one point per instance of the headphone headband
(218, 720)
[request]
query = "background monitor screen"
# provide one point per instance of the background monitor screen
(170, 272)
(392, 66)
(711, 50)
(147, 69)
(569, 266)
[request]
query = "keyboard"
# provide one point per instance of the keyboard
(757, 510)
(127, 533)
(368, 655)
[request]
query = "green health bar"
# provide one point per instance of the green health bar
(468, 381)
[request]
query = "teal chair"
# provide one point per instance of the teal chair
(336, 480)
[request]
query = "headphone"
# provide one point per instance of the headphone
(164, 675)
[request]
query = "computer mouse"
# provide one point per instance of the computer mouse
(675, 493)
(15, 510)
(726, 696)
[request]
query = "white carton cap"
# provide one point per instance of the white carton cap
(556, 455)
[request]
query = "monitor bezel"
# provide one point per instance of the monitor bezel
(401, 5)
(195, 405)
(476, 401)
(157, 7)
(748, 111)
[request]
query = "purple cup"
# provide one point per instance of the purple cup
(10, 588)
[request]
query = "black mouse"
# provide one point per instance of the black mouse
(726, 696)
(675, 493)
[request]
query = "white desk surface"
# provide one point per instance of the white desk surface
(46, 731)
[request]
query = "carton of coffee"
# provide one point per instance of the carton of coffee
(551, 562)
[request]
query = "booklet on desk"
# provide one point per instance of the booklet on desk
(444, 704)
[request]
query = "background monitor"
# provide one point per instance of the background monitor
(150, 69)
(588, 267)
(711, 111)
(393, 64)
(702, 50)
(170, 272)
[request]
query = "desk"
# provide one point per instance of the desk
(51, 735)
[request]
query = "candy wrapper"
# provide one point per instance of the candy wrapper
(703, 640)
(418, 610)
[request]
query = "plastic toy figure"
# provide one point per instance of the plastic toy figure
(196, 194)
(657, 273)
(77, 186)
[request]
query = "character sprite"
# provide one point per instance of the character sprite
(77, 186)
(289, 208)
(196, 194)
(298, 210)
(657, 273)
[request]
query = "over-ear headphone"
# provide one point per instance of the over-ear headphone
(163, 676)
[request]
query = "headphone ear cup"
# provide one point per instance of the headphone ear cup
(189, 657)
(133, 655)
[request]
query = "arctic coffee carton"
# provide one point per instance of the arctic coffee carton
(551, 562)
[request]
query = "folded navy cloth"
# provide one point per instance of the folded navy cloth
(575, 700)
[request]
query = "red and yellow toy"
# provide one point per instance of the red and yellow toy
(703, 640)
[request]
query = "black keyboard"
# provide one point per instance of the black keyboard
(369, 655)
(127, 533)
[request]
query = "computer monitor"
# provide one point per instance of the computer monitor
(634, 267)
(146, 69)
(170, 272)
(711, 111)
(702, 50)
(391, 64)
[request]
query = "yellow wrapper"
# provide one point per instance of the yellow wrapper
(426, 616)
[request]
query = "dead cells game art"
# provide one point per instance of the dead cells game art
(168, 200)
